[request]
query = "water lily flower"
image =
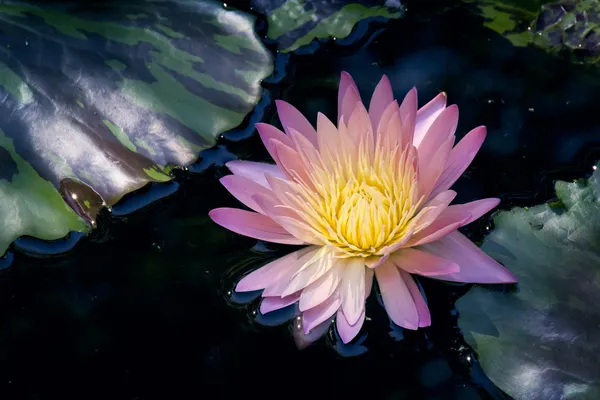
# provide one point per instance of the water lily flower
(368, 198)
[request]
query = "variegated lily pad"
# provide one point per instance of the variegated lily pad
(98, 99)
(543, 342)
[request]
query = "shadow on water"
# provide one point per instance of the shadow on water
(142, 308)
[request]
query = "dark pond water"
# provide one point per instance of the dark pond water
(141, 308)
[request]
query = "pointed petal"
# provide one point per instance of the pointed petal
(253, 225)
(476, 208)
(272, 208)
(272, 272)
(352, 288)
(290, 117)
(291, 163)
(433, 209)
(426, 115)
(345, 329)
(442, 128)
(298, 229)
(475, 265)
(389, 128)
(312, 270)
(382, 97)
(328, 137)
(360, 128)
(430, 173)
(422, 309)
(448, 221)
(267, 133)
(321, 289)
(324, 311)
(269, 304)
(376, 261)
(408, 115)
(254, 171)
(397, 299)
(278, 287)
(348, 96)
(423, 263)
(243, 189)
(460, 158)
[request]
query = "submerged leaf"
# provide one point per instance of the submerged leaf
(99, 99)
(295, 23)
(543, 341)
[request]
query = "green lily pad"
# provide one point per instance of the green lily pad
(98, 100)
(543, 342)
(296, 23)
(555, 26)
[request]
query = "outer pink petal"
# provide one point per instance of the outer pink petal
(267, 133)
(271, 273)
(255, 171)
(476, 208)
(449, 221)
(345, 329)
(352, 288)
(321, 289)
(426, 115)
(442, 128)
(243, 189)
(423, 263)
(328, 137)
(309, 273)
(408, 115)
(430, 173)
(278, 287)
(433, 209)
(389, 128)
(348, 96)
(291, 163)
(298, 229)
(460, 158)
(290, 117)
(360, 128)
(397, 299)
(324, 311)
(382, 97)
(475, 265)
(253, 225)
(269, 304)
(422, 309)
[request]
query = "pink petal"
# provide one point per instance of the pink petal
(267, 133)
(476, 208)
(269, 304)
(254, 171)
(430, 173)
(321, 289)
(408, 115)
(308, 273)
(389, 129)
(328, 137)
(272, 208)
(291, 163)
(253, 225)
(277, 287)
(460, 158)
(448, 221)
(298, 229)
(324, 311)
(369, 273)
(442, 128)
(422, 309)
(426, 115)
(348, 96)
(475, 265)
(273, 272)
(345, 329)
(423, 263)
(243, 189)
(382, 97)
(433, 209)
(360, 128)
(290, 117)
(352, 289)
(397, 299)
(376, 261)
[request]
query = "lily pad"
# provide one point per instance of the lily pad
(543, 341)
(296, 23)
(98, 99)
(555, 26)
